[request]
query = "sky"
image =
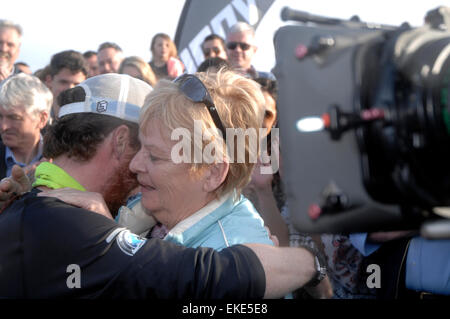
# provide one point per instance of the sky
(52, 26)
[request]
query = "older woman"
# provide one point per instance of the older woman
(200, 203)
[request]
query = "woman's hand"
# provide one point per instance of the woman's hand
(273, 238)
(87, 200)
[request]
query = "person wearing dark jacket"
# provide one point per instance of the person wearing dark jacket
(25, 104)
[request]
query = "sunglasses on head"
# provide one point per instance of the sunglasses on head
(196, 91)
(207, 51)
(242, 45)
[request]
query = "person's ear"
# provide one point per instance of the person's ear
(48, 82)
(215, 176)
(43, 118)
(120, 140)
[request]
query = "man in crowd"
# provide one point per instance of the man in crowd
(109, 56)
(10, 41)
(90, 255)
(214, 46)
(67, 69)
(22, 67)
(241, 47)
(92, 62)
(25, 104)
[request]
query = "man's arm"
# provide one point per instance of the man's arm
(286, 268)
(251, 271)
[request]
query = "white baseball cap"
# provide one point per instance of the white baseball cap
(118, 95)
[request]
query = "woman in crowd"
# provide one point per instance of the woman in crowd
(138, 68)
(165, 62)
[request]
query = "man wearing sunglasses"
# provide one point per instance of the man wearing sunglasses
(214, 46)
(241, 47)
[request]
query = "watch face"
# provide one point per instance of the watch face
(323, 273)
(319, 265)
(321, 270)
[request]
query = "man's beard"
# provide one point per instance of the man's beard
(5, 60)
(118, 188)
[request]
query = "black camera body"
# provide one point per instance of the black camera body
(382, 159)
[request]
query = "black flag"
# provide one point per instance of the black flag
(201, 18)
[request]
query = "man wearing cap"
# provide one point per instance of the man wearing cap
(50, 249)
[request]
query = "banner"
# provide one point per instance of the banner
(201, 18)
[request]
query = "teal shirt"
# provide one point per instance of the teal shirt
(220, 224)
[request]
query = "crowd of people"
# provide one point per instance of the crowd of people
(94, 134)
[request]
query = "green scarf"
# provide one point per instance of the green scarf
(52, 176)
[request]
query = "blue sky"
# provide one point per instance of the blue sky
(52, 26)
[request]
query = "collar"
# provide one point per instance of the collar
(52, 176)
(201, 219)
(252, 72)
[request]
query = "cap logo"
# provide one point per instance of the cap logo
(102, 106)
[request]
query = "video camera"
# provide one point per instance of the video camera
(365, 123)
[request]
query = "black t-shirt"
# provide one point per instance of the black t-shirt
(43, 240)
(160, 71)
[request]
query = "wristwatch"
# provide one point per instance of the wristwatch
(320, 266)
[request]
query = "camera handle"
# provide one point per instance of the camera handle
(288, 14)
(337, 122)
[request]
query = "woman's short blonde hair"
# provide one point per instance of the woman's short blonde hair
(240, 104)
(143, 67)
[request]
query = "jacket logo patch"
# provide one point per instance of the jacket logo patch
(129, 243)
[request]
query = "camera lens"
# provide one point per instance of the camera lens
(408, 154)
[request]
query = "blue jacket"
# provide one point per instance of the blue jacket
(220, 224)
